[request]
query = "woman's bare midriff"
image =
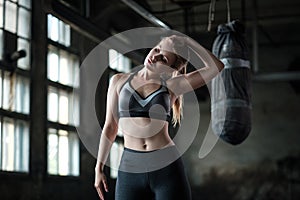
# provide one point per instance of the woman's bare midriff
(145, 134)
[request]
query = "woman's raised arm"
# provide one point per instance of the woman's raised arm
(195, 79)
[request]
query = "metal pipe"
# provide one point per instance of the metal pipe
(144, 13)
(255, 38)
(87, 8)
(277, 76)
(77, 22)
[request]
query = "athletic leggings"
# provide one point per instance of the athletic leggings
(158, 175)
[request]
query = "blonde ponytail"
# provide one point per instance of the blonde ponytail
(178, 104)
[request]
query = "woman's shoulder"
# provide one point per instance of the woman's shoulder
(119, 77)
(118, 80)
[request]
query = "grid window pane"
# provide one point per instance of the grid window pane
(74, 154)
(24, 63)
(63, 153)
(113, 55)
(52, 27)
(8, 146)
(59, 31)
(118, 61)
(22, 95)
(62, 67)
(52, 105)
(1, 43)
(68, 69)
(73, 71)
(15, 145)
(7, 92)
(1, 13)
(67, 35)
(63, 108)
(24, 24)
(22, 147)
(115, 158)
(1, 94)
(74, 110)
(52, 152)
(61, 38)
(15, 93)
(126, 64)
(10, 16)
(64, 33)
(76, 78)
(25, 3)
(52, 65)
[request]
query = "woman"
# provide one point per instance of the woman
(139, 104)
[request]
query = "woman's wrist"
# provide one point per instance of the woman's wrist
(99, 167)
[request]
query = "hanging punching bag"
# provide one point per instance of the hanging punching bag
(231, 89)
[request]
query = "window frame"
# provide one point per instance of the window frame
(60, 87)
(19, 72)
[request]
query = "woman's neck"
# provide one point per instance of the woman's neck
(148, 75)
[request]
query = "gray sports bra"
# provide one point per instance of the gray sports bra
(155, 106)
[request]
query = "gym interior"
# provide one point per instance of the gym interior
(44, 46)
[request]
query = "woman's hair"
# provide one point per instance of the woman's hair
(181, 52)
(178, 105)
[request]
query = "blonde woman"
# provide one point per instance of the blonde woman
(139, 104)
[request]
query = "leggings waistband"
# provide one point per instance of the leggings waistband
(139, 151)
(136, 161)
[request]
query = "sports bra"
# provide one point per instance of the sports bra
(155, 106)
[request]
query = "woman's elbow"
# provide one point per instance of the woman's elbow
(110, 131)
(220, 66)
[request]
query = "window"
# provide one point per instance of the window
(10, 22)
(120, 63)
(14, 92)
(15, 18)
(63, 151)
(62, 106)
(58, 31)
(15, 34)
(1, 38)
(1, 13)
(115, 158)
(14, 145)
(63, 144)
(63, 67)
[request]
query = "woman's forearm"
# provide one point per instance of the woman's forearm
(209, 60)
(107, 138)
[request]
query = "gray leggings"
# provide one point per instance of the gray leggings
(158, 175)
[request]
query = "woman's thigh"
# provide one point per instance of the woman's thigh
(132, 186)
(170, 183)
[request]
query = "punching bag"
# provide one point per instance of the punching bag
(231, 89)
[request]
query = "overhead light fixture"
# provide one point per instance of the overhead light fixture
(144, 13)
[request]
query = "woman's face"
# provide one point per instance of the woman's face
(160, 58)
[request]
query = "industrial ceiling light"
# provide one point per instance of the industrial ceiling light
(144, 13)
